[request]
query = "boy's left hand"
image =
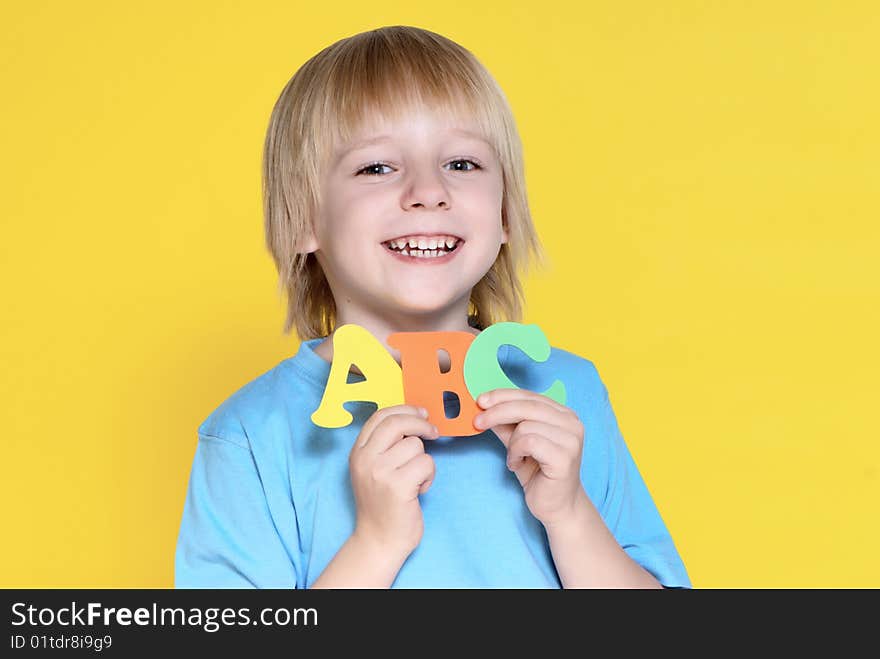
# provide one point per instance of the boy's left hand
(544, 442)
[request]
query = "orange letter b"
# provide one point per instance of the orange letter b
(424, 384)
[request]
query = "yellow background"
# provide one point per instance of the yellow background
(704, 177)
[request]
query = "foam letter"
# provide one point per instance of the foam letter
(482, 372)
(353, 344)
(424, 384)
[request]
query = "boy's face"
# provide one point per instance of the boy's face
(427, 179)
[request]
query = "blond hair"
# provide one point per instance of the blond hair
(383, 72)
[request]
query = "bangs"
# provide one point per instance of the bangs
(387, 79)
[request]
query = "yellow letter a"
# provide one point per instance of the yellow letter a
(383, 384)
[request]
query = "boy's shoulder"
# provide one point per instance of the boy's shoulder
(249, 406)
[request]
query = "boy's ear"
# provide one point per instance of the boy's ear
(308, 244)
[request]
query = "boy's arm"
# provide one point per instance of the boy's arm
(587, 555)
(362, 563)
(228, 537)
(615, 536)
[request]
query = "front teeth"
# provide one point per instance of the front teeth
(425, 243)
(424, 254)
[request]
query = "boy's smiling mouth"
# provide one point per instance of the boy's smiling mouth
(435, 248)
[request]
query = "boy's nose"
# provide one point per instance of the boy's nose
(426, 189)
(440, 204)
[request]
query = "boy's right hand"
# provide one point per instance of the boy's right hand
(389, 469)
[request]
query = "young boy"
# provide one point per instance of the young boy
(395, 200)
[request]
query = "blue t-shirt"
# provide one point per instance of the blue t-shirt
(270, 501)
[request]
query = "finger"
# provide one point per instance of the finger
(418, 471)
(515, 411)
(424, 487)
(395, 427)
(561, 436)
(402, 452)
(552, 458)
(495, 396)
(426, 484)
(379, 415)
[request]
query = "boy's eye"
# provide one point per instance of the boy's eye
(370, 169)
(465, 160)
